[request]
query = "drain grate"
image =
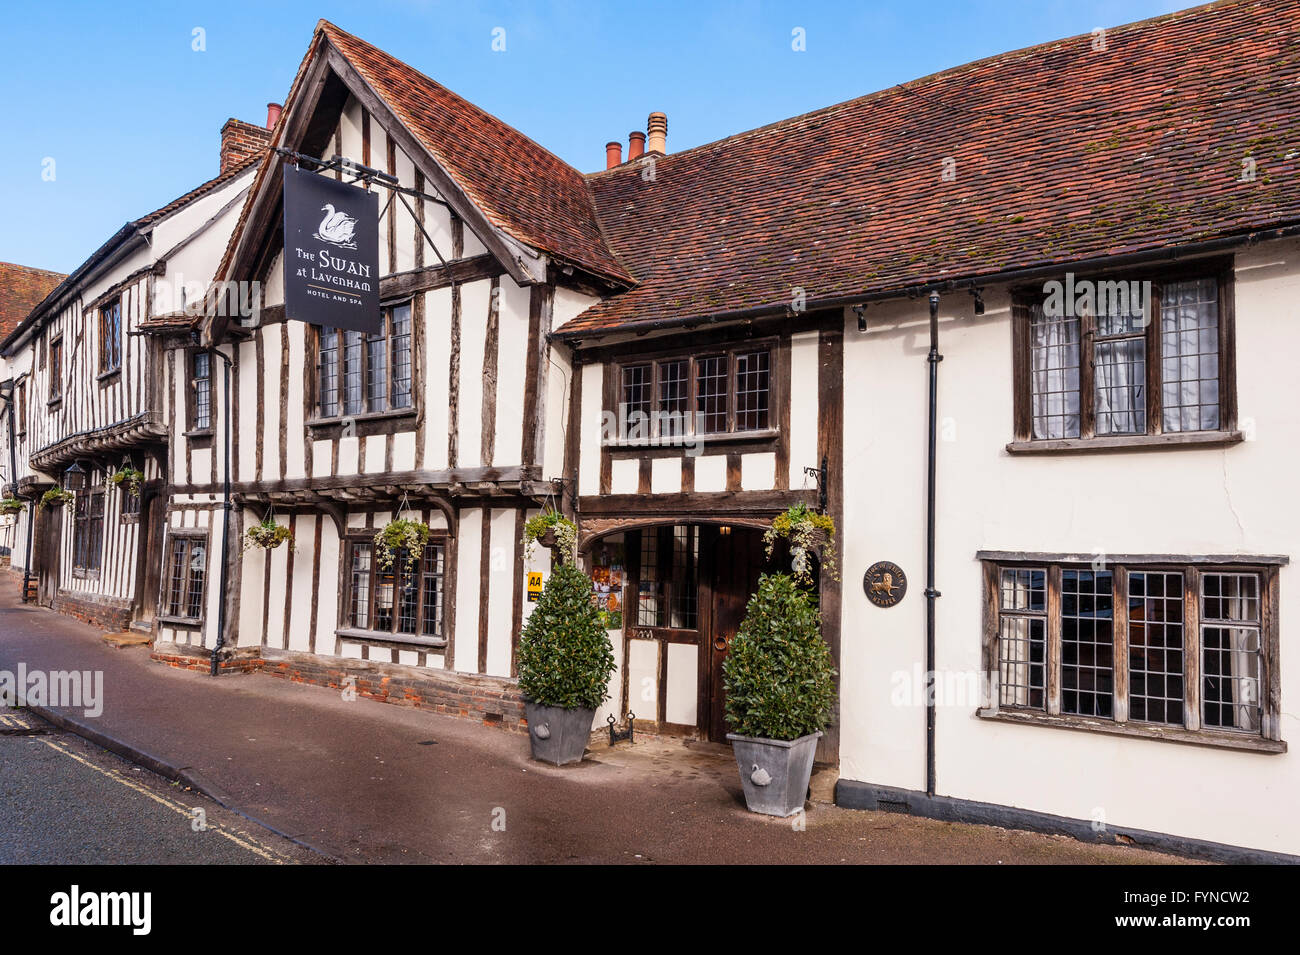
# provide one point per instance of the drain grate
(891, 805)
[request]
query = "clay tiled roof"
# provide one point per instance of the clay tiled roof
(1061, 152)
(523, 189)
(21, 289)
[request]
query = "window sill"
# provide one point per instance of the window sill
(1128, 442)
(692, 440)
(184, 623)
(54, 402)
(106, 376)
(197, 433)
(1173, 734)
(382, 636)
(368, 416)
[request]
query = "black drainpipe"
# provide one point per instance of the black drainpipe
(931, 594)
(225, 520)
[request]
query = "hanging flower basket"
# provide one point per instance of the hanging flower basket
(554, 530)
(405, 536)
(807, 531)
(129, 480)
(11, 505)
(267, 535)
(56, 497)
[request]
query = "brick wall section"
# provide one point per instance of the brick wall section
(108, 615)
(493, 701)
(239, 141)
(184, 657)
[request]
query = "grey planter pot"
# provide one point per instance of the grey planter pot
(774, 772)
(558, 735)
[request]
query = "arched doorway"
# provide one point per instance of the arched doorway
(684, 597)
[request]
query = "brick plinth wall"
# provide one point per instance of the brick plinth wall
(103, 612)
(184, 657)
(493, 701)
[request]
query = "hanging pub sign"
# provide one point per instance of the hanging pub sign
(331, 252)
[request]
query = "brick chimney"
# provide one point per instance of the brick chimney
(635, 144)
(240, 141)
(613, 154)
(657, 128)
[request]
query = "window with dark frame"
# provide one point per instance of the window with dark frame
(397, 601)
(110, 337)
(56, 369)
(1115, 368)
(667, 578)
(186, 576)
(88, 528)
(1119, 640)
(360, 373)
(729, 392)
(22, 408)
(201, 400)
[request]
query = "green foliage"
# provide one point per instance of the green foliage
(131, 478)
(566, 534)
(779, 679)
(56, 497)
(10, 505)
(565, 657)
(268, 535)
(402, 536)
(805, 529)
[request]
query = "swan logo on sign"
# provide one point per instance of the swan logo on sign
(331, 252)
(337, 228)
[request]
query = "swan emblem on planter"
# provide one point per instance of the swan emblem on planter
(543, 731)
(337, 228)
(759, 776)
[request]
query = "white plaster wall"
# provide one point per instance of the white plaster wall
(473, 336)
(469, 547)
(589, 424)
(1186, 501)
(513, 371)
(501, 592)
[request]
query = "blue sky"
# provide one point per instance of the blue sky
(130, 113)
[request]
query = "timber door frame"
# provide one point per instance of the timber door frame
(152, 526)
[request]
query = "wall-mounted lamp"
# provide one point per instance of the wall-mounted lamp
(861, 312)
(979, 300)
(74, 478)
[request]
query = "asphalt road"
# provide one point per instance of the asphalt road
(65, 801)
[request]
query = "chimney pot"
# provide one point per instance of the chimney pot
(635, 144)
(613, 154)
(657, 128)
(273, 114)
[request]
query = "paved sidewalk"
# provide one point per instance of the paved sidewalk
(363, 781)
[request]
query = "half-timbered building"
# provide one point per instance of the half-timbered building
(1021, 328)
(90, 400)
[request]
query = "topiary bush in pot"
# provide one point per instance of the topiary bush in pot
(565, 660)
(780, 686)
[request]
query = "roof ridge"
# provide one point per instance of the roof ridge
(927, 78)
(442, 86)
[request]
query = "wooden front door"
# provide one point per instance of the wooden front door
(49, 542)
(149, 556)
(737, 561)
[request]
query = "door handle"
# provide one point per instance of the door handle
(720, 643)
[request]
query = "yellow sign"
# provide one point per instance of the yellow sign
(534, 586)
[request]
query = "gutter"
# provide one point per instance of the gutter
(1163, 254)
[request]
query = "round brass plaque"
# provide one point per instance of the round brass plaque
(885, 583)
